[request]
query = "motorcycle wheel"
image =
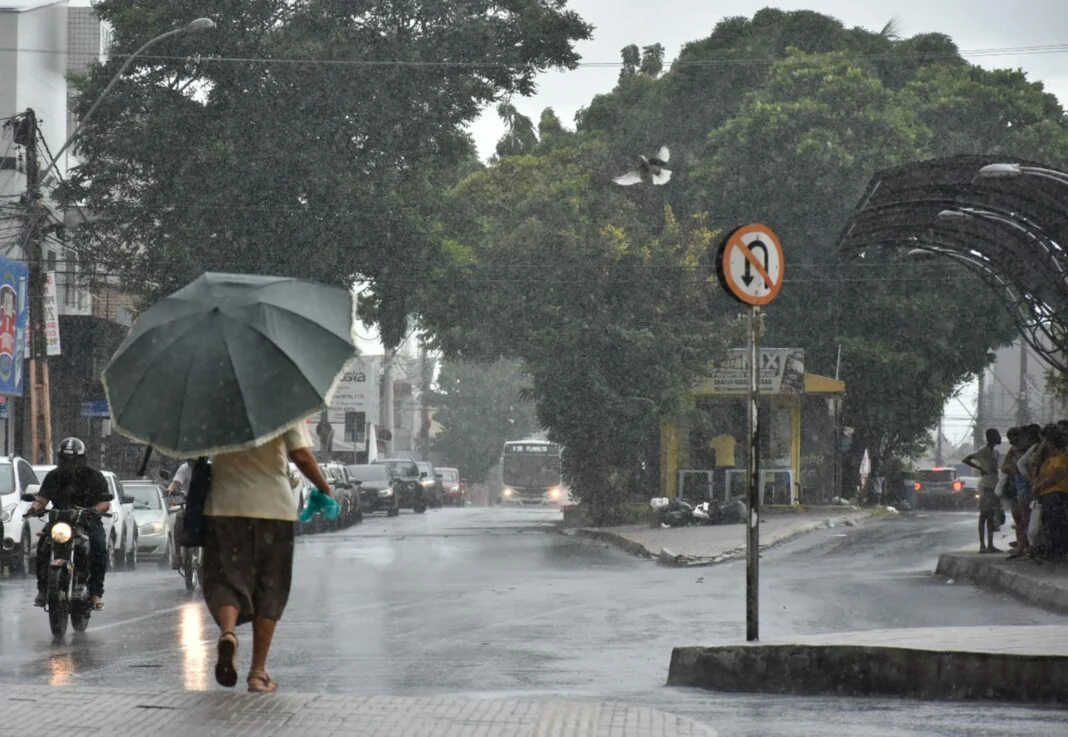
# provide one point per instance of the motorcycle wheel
(26, 562)
(58, 603)
(419, 508)
(188, 570)
(131, 557)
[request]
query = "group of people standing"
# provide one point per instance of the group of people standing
(1032, 481)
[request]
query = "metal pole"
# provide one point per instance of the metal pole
(1023, 408)
(752, 547)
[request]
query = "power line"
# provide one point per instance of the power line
(371, 63)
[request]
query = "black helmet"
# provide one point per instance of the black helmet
(71, 448)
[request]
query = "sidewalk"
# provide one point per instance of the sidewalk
(1022, 664)
(42, 712)
(708, 545)
(1044, 585)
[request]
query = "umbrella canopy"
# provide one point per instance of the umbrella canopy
(228, 362)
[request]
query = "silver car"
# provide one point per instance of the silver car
(155, 523)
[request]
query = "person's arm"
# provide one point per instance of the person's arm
(298, 446)
(305, 461)
(100, 492)
(44, 495)
(969, 460)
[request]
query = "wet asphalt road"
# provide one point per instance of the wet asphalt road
(489, 602)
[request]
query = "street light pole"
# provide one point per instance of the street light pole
(40, 392)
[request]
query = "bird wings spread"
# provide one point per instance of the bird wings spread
(663, 154)
(631, 177)
(662, 177)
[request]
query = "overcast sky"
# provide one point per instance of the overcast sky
(973, 25)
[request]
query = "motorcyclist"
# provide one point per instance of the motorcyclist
(176, 491)
(72, 484)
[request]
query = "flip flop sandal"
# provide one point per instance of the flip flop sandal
(98, 606)
(260, 682)
(225, 668)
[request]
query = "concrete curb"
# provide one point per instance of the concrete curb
(853, 670)
(615, 540)
(667, 557)
(1004, 576)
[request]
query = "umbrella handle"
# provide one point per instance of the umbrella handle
(144, 461)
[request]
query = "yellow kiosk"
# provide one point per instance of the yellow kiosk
(706, 453)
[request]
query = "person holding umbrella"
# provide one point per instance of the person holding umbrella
(230, 367)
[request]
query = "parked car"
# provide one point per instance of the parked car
(155, 523)
(346, 494)
(429, 480)
(122, 538)
(18, 543)
(377, 488)
(455, 487)
(410, 491)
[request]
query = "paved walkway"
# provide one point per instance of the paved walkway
(42, 712)
(707, 545)
(1040, 584)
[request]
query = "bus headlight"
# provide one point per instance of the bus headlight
(508, 492)
(61, 532)
(555, 493)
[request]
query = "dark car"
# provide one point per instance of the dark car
(411, 494)
(377, 488)
(430, 480)
(940, 487)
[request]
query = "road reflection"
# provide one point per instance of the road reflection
(62, 668)
(191, 620)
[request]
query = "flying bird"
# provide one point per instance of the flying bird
(650, 169)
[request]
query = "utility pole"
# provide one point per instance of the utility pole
(40, 404)
(387, 398)
(978, 436)
(938, 440)
(1023, 410)
(424, 399)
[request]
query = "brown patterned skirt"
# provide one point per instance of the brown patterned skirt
(248, 564)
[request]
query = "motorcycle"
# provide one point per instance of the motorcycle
(67, 594)
(720, 513)
(673, 512)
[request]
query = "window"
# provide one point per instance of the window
(50, 261)
(7, 478)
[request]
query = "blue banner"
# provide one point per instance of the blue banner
(14, 319)
(96, 408)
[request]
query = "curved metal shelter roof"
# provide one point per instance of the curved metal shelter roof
(1008, 222)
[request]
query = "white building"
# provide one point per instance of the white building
(43, 42)
(1014, 390)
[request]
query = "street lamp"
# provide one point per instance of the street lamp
(200, 24)
(1014, 171)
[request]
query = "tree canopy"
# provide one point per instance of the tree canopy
(310, 139)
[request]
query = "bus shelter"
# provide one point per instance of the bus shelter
(704, 455)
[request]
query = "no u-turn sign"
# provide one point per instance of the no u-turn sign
(750, 264)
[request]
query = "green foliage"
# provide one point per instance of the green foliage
(604, 306)
(310, 138)
(481, 405)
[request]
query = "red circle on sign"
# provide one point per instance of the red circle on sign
(742, 239)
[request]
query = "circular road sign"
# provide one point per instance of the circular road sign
(750, 264)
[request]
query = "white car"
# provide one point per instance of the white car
(155, 523)
(123, 536)
(18, 544)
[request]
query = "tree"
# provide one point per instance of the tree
(632, 59)
(783, 118)
(481, 405)
(652, 60)
(559, 268)
(519, 137)
(311, 139)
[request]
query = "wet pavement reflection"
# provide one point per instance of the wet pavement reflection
(494, 602)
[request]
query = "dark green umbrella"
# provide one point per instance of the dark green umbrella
(229, 362)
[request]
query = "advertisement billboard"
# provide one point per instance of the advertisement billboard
(14, 321)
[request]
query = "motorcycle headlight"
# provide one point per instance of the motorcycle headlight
(385, 492)
(61, 532)
(426, 483)
(9, 512)
(152, 528)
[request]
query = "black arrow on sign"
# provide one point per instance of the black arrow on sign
(747, 276)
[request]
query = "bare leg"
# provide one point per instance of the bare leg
(226, 618)
(225, 667)
(262, 634)
(982, 531)
(990, 535)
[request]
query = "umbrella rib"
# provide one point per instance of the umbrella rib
(233, 368)
(273, 344)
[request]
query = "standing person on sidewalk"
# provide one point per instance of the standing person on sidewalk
(986, 461)
(248, 553)
(1052, 491)
(1010, 487)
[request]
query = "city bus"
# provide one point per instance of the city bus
(530, 473)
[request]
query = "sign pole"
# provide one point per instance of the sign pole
(752, 543)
